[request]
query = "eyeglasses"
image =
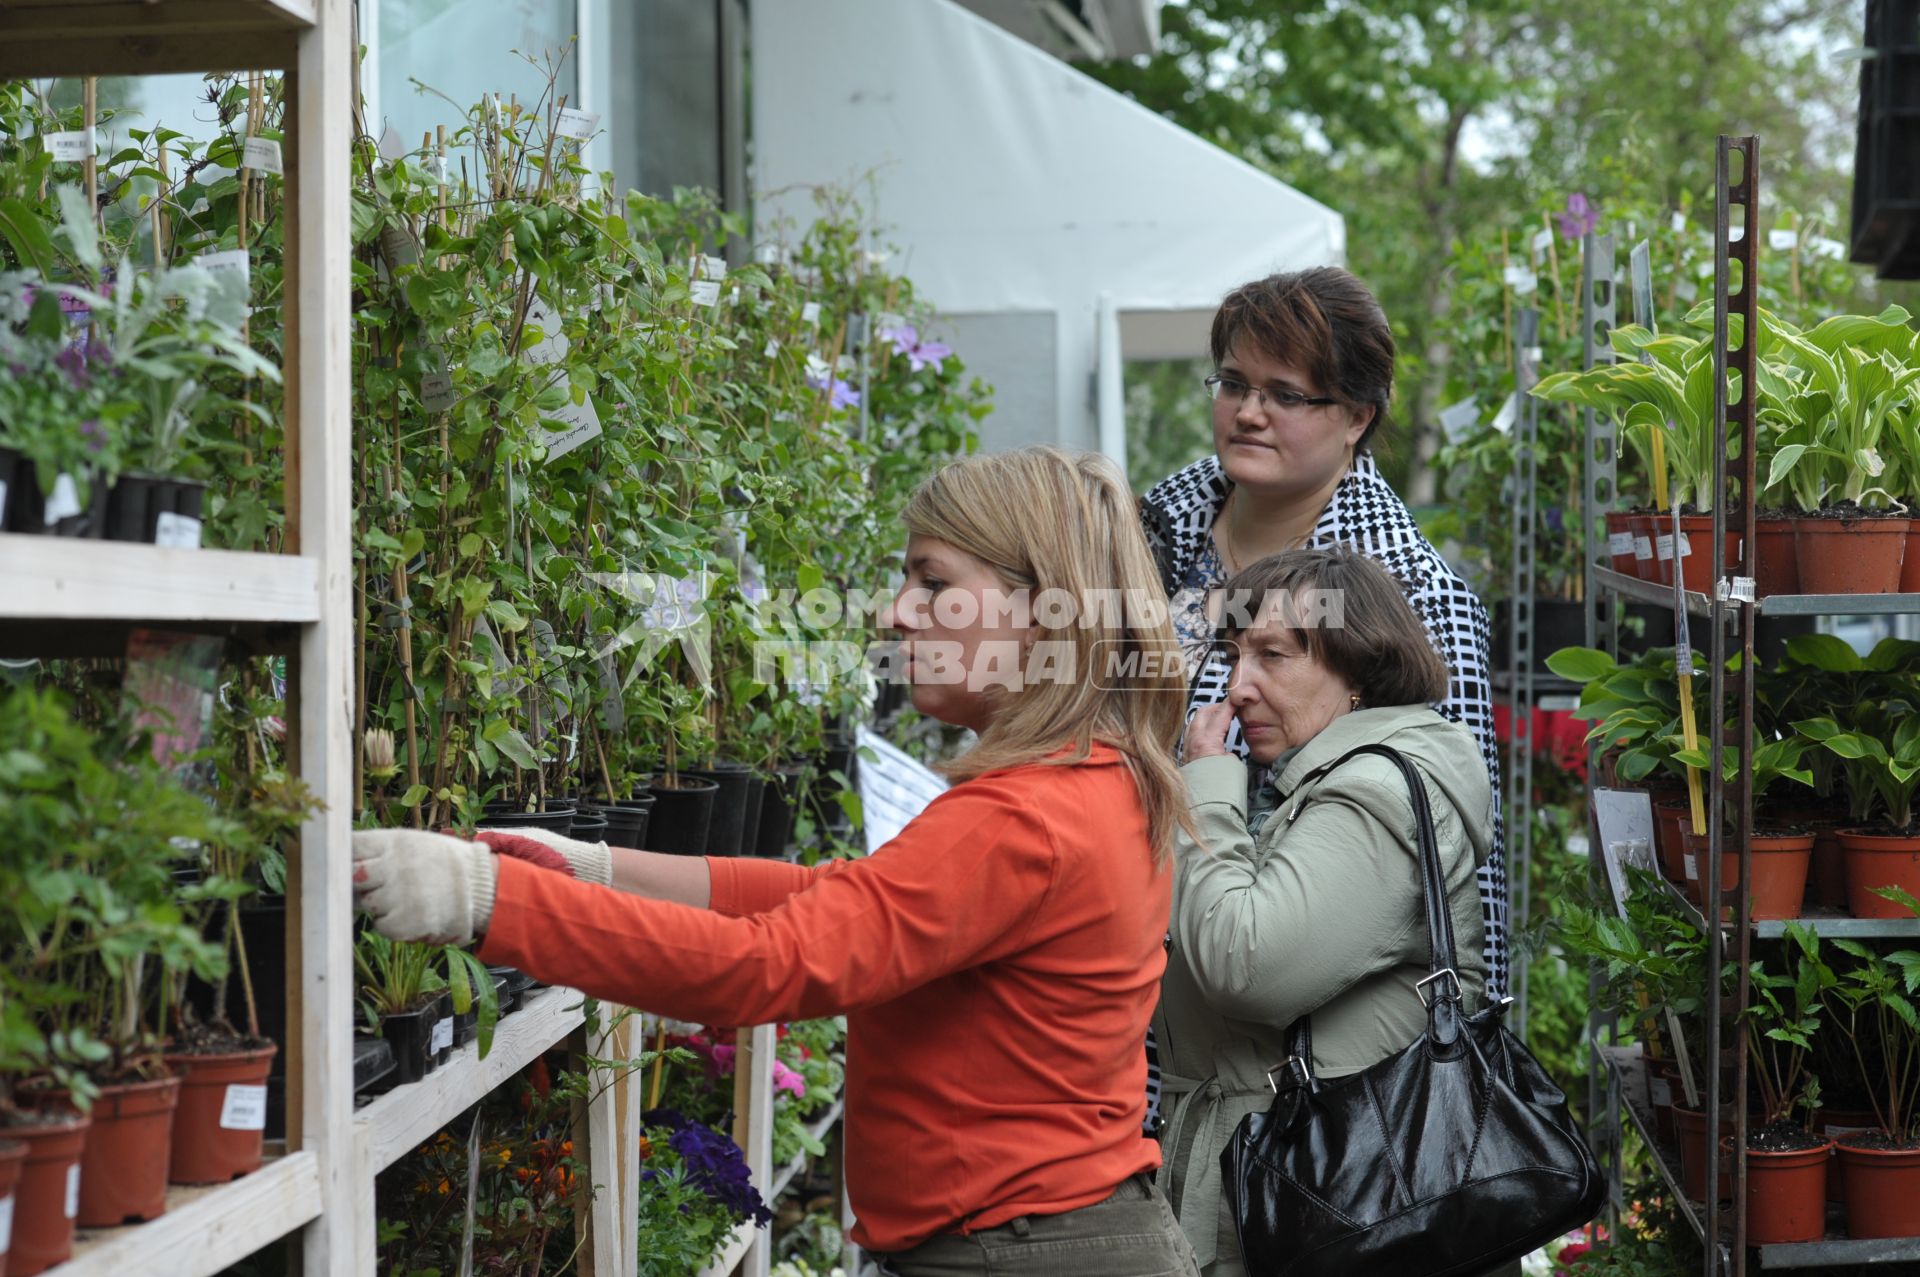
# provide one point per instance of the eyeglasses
(1235, 391)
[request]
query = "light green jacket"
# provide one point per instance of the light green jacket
(1320, 914)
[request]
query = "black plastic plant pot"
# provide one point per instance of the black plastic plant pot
(624, 824)
(777, 811)
(506, 987)
(558, 822)
(131, 507)
(680, 822)
(440, 1030)
(11, 472)
(729, 806)
(409, 1034)
(29, 508)
(465, 1024)
(373, 1067)
(750, 818)
(589, 826)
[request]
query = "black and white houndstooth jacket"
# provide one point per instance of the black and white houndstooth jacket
(1367, 515)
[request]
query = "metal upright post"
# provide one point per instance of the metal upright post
(1526, 372)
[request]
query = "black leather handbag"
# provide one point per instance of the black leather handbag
(1454, 1156)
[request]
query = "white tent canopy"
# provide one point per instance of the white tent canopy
(1058, 227)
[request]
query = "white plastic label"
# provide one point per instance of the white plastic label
(810, 313)
(1692, 865)
(6, 1223)
(73, 1190)
(1508, 414)
(63, 502)
(714, 268)
(773, 348)
(576, 124)
(1620, 544)
(1542, 241)
(1660, 1091)
(1679, 222)
(178, 531)
(581, 424)
(704, 292)
(72, 147)
(1781, 241)
(232, 261)
(1455, 419)
(1642, 548)
(436, 391)
(244, 1109)
(553, 343)
(1520, 279)
(442, 1035)
(1663, 546)
(262, 155)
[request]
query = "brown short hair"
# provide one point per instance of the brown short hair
(1375, 641)
(1325, 321)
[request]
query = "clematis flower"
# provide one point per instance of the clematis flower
(839, 393)
(920, 354)
(1579, 217)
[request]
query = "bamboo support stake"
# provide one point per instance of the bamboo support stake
(1506, 306)
(1689, 728)
(1553, 267)
(90, 167)
(159, 210)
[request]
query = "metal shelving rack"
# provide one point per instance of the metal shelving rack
(1730, 611)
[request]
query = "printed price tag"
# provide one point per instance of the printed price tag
(178, 531)
(704, 292)
(6, 1223)
(1782, 241)
(552, 345)
(714, 268)
(442, 1036)
(262, 155)
(244, 1109)
(1660, 1091)
(436, 391)
(580, 424)
(576, 124)
(1508, 414)
(810, 314)
(63, 502)
(1663, 546)
(72, 147)
(1620, 544)
(1642, 549)
(1692, 865)
(232, 263)
(73, 1190)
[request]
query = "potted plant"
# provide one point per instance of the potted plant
(404, 1000)
(1879, 752)
(1786, 1165)
(1871, 1005)
(1780, 853)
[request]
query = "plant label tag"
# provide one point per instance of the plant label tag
(1620, 544)
(1520, 279)
(711, 267)
(442, 1036)
(733, 295)
(1679, 223)
(63, 502)
(1660, 1091)
(177, 531)
(581, 424)
(810, 314)
(436, 391)
(73, 147)
(244, 1109)
(1508, 414)
(1642, 549)
(552, 345)
(6, 1223)
(397, 246)
(73, 1190)
(578, 125)
(1692, 865)
(704, 292)
(1542, 241)
(262, 155)
(391, 145)
(1782, 241)
(772, 351)
(1663, 546)
(231, 263)
(1455, 420)
(440, 169)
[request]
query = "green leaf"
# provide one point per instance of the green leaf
(506, 616)
(30, 241)
(1581, 664)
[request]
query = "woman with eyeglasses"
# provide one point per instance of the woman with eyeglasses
(1303, 378)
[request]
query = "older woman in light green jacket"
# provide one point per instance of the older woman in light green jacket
(1304, 895)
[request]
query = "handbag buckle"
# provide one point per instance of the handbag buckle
(1301, 1074)
(1420, 986)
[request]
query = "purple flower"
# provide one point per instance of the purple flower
(714, 1164)
(73, 361)
(94, 434)
(839, 393)
(920, 354)
(904, 338)
(1556, 521)
(1579, 218)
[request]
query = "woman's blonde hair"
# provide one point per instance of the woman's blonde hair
(1047, 520)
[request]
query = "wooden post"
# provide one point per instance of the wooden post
(319, 521)
(753, 1130)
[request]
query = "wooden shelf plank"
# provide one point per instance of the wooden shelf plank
(397, 1122)
(739, 1242)
(206, 1228)
(63, 578)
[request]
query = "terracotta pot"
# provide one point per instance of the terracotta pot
(1690, 1133)
(1778, 568)
(1663, 1087)
(1645, 565)
(48, 1195)
(1859, 556)
(1827, 876)
(12, 1155)
(1696, 532)
(1670, 821)
(124, 1174)
(1875, 860)
(222, 1114)
(1837, 1125)
(1787, 1195)
(1910, 564)
(1882, 1190)
(1779, 871)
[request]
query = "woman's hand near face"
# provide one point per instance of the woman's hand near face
(1207, 731)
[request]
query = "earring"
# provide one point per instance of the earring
(1353, 701)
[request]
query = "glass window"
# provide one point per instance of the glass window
(462, 49)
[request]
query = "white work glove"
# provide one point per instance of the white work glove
(423, 886)
(588, 861)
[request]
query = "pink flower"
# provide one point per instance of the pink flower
(785, 1079)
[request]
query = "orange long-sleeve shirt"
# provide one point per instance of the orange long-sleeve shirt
(998, 963)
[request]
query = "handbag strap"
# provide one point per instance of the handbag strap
(1440, 948)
